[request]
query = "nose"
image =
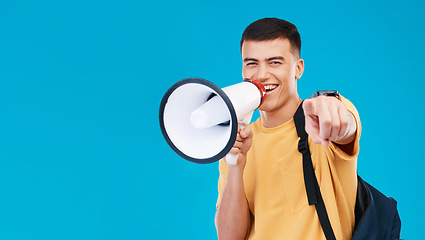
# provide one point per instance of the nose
(263, 73)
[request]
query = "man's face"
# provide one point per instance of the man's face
(274, 65)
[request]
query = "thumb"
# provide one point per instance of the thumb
(309, 107)
(246, 132)
(247, 135)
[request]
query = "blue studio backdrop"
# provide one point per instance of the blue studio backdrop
(81, 151)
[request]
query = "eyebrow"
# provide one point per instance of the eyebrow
(268, 59)
(250, 60)
(276, 58)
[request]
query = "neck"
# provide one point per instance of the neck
(282, 115)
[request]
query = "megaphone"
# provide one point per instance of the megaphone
(200, 121)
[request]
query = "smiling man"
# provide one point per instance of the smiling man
(263, 196)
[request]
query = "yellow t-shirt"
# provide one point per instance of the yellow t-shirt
(275, 190)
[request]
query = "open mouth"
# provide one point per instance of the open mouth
(270, 87)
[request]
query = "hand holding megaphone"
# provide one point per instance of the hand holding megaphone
(199, 120)
(231, 158)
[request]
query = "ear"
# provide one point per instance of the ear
(299, 68)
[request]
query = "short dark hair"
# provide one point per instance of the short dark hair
(273, 28)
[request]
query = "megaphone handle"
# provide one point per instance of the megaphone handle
(231, 158)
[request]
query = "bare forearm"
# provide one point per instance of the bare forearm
(232, 217)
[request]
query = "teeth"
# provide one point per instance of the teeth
(270, 87)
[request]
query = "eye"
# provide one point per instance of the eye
(251, 64)
(275, 63)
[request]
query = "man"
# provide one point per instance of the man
(263, 196)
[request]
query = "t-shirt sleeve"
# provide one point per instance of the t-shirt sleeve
(222, 167)
(351, 152)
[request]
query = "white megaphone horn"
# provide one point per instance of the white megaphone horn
(200, 121)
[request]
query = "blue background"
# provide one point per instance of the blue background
(81, 152)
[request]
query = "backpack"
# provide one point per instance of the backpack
(376, 216)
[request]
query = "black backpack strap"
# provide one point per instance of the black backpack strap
(311, 185)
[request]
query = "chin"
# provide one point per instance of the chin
(266, 107)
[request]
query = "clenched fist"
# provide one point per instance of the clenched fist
(327, 119)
